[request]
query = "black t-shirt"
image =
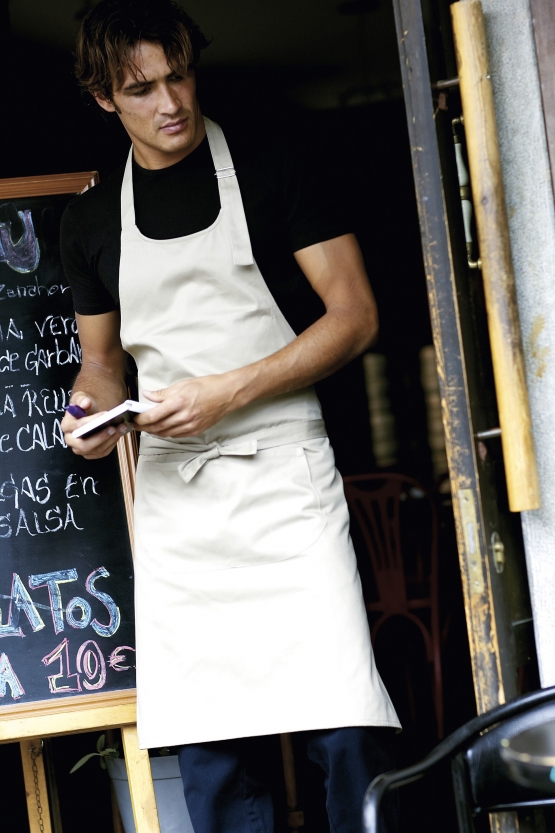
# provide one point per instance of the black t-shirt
(287, 208)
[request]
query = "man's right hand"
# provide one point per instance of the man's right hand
(99, 445)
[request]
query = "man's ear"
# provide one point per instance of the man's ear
(106, 103)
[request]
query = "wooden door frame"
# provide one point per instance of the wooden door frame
(444, 310)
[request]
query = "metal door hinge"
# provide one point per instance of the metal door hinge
(471, 542)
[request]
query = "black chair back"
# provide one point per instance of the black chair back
(480, 777)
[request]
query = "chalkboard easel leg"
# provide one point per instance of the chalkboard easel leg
(141, 787)
(34, 775)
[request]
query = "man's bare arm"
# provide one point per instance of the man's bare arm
(336, 271)
(100, 385)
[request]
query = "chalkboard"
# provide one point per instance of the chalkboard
(66, 574)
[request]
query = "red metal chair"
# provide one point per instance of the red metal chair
(397, 518)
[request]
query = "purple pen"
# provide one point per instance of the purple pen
(76, 411)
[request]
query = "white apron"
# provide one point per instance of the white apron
(249, 613)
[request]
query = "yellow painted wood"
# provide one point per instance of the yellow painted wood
(66, 717)
(141, 787)
(495, 252)
(30, 791)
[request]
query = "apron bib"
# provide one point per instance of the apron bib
(249, 613)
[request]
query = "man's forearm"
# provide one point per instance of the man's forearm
(335, 269)
(105, 388)
(325, 347)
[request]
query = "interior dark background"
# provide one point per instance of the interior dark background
(326, 76)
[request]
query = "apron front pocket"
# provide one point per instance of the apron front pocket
(235, 512)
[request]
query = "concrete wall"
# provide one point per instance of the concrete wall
(531, 212)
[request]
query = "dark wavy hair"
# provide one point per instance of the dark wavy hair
(111, 30)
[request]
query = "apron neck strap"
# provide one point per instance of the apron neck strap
(230, 195)
(127, 204)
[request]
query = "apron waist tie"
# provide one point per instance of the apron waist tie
(193, 455)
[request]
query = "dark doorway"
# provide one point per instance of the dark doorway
(324, 78)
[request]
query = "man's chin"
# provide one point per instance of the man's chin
(175, 143)
(163, 150)
(160, 153)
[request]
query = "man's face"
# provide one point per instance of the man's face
(159, 109)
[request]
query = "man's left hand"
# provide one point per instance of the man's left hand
(188, 408)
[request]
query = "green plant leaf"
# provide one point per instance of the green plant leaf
(110, 752)
(83, 760)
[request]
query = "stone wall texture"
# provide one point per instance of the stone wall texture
(530, 207)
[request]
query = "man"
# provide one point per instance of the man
(249, 614)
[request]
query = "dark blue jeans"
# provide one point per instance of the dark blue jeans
(224, 792)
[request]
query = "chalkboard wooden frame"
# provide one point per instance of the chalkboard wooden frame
(29, 722)
(46, 186)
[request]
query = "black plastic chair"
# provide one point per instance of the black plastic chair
(480, 780)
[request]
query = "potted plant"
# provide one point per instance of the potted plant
(168, 788)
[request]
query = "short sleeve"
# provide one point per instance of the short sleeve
(90, 295)
(314, 207)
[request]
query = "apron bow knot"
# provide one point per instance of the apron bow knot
(190, 467)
